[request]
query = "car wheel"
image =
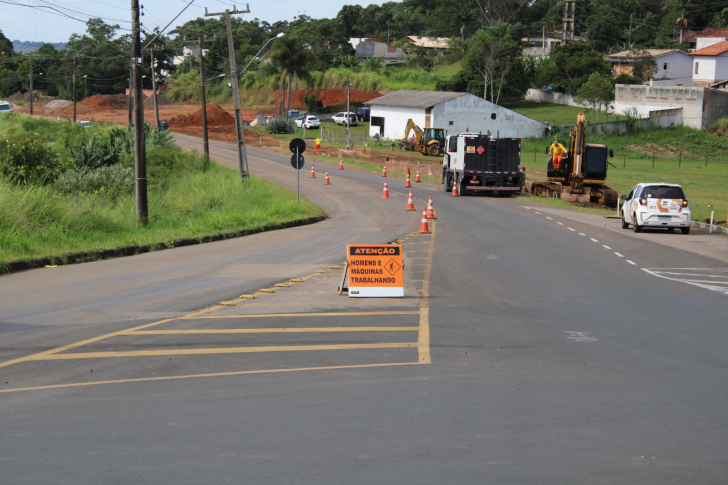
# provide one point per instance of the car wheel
(685, 230)
(636, 227)
(625, 224)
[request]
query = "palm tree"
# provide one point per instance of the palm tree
(294, 57)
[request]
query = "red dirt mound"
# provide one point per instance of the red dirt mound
(97, 104)
(161, 101)
(216, 116)
(329, 97)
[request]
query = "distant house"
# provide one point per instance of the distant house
(436, 44)
(188, 53)
(669, 63)
(368, 48)
(704, 38)
(455, 112)
(540, 44)
(710, 65)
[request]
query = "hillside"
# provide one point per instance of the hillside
(28, 46)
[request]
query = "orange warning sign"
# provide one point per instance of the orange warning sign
(375, 270)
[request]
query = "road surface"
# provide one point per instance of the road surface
(533, 345)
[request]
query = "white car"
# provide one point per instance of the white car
(308, 121)
(340, 118)
(5, 107)
(656, 205)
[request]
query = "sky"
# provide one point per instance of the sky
(45, 25)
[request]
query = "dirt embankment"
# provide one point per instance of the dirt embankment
(329, 97)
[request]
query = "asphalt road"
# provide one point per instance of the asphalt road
(532, 346)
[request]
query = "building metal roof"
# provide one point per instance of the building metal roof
(635, 55)
(407, 98)
(430, 42)
(712, 50)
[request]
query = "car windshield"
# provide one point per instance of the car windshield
(5, 107)
(663, 192)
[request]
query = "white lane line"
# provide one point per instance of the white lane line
(582, 234)
(528, 208)
(537, 212)
(547, 217)
(572, 229)
(708, 285)
(631, 262)
(559, 223)
(605, 246)
(615, 252)
(593, 239)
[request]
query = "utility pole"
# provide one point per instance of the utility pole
(140, 153)
(348, 131)
(74, 89)
(630, 31)
(242, 154)
(203, 99)
(31, 84)
(154, 89)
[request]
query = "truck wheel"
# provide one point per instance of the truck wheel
(433, 150)
(448, 182)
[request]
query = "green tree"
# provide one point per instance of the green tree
(595, 93)
(570, 66)
(294, 57)
(493, 59)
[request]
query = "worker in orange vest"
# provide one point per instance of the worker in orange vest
(557, 151)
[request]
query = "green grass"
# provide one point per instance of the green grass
(185, 201)
(703, 185)
(555, 114)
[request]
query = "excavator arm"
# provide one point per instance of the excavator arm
(412, 126)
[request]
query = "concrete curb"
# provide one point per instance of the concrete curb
(706, 227)
(14, 266)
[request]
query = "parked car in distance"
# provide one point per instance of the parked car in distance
(363, 113)
(5, 107)
(340, 118)
(307, 121)
(85, 124)
(656, 205)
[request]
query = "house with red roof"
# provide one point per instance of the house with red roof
(710, 64)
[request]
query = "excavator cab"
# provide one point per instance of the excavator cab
(433, 141)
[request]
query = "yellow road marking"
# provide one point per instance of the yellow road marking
(423, 339)
(274, 330)
(193, 376)
(224, 350)
(273, 315)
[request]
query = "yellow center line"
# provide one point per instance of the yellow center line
(330, 314)
(225, 350)
(423, 340)
(273, 330)
(194, 376)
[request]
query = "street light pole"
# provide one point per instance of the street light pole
(31, 85)
(348, 120)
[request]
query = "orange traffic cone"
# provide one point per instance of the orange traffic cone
(384, 171)
(313, 173)
(417, 177)
(327, 181)
(341, 164)
(385, 193)
(455, 187)
(410, 202)
(430, 209)
(424, 227)
(407, 183)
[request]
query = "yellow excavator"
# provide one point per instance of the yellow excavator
(581, 175)
(430, 141)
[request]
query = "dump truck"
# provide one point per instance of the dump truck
(429, 141)
(480, 163)
(581, 175)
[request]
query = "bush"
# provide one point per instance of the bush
(113, 181)
(278, 126)
(30, 161)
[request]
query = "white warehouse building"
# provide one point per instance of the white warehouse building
(455, 112)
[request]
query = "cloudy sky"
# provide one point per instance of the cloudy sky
(48, 25)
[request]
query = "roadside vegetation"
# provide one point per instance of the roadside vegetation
(680, 157)
(66, 189)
